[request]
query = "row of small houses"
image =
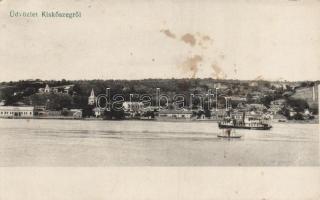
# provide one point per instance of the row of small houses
(41, 112)
(137, 108)
(134, 109)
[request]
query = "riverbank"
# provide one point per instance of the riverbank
(314, 121)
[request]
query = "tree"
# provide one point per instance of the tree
(149, 114)
(200, 113)
(207, 113)
(298, 104)
(114, 114)
(266, 100)
(285, 112)
(298, 116)
(52, 101)
(64, 112)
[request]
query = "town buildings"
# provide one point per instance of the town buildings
(234, 96)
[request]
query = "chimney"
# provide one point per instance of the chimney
(313, 93)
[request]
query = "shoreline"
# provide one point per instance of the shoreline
(315, 121)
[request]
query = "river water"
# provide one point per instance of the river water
(152, 143)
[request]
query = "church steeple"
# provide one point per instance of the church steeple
(92, 93)
(92, 98)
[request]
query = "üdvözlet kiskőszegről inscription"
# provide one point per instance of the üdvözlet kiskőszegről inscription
(45, 14)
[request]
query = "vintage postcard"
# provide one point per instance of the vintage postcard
(120, 91)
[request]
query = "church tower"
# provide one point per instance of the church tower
(92, 98)
(47, 89)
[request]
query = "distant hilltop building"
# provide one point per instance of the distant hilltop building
(279, 85)
(47, 89)
(253, 84)
(221, 85)
(64, 89)
(92, 98)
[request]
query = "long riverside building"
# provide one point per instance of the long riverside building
(16, 111)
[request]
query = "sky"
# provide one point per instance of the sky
(251, 40)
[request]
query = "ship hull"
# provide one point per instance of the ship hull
(229, 137)
(266, 127)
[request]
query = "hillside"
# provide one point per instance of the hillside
(29, 91)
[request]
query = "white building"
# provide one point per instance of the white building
(47, 89)
(92, 98)
(97, 112)
(76, 113)
(2, 103)
(253, 84)
(132, 106)
(176, 114)
(277, 105)
(16, 111)
(222, 86)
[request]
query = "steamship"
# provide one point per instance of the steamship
(256, 122)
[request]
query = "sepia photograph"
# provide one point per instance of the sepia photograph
(160, 84)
